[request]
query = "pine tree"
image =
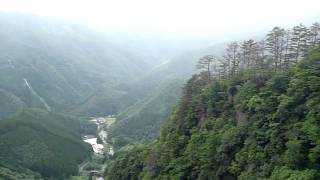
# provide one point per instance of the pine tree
(275, 45)
(249, 53)
(223, 68)
(232, 57)
(315, 34)
(286, 59)
(260, 61)
(299, 42)
(205, 64)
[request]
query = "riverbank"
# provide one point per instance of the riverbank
(102, 150)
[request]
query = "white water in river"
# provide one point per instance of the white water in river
(97, 148)
(103, 134)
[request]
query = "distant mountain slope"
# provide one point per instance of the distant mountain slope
(64, 64)
(46, 143)
(155, 95)
(63, 67)
(141, 122)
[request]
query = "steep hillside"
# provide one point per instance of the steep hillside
(250, 126)
(141, 122)
(45, 143)
(155, 94)
(58, 66)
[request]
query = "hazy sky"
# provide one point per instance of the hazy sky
(188, 16)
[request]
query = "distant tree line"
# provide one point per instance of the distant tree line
(280, 48)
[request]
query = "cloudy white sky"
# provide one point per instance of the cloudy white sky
(191, 16)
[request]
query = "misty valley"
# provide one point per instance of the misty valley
(77, 103)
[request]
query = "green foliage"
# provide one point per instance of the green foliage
(142, 122)
(133, 161)
(288, 174)
(8, 174)
(270, 130)
(42, 142)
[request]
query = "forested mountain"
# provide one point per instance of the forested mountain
(250, 112)
(155, 95)
(60, 67)
(141, 122)
(37, 144)
(278, 47)
(46, 63)
(254, 116)
(64, 67)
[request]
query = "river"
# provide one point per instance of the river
(100, 150)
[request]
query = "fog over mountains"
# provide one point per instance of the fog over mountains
(56, 75)
(65, 67)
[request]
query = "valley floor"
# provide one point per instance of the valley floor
(95, 166)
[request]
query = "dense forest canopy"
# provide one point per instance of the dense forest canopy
(253, 115)
(35, 143)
